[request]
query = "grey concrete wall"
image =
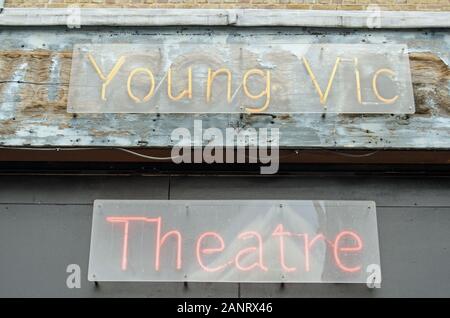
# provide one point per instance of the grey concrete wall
(45, 224)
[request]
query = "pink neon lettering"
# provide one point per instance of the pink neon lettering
(249, 250)
(337, 245)
(307, 244)
(338, 249)
(279, 231)
(159, 240)
(177, 235)
(126, 221)
(208, 251)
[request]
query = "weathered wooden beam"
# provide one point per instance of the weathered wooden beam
(34, 85)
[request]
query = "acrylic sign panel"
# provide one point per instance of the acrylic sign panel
(234, 241)
(240, 78)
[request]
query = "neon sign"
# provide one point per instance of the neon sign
(233, 241)
(240, 78)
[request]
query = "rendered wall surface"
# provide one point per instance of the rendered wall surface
(35, 67)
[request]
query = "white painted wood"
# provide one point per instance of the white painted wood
(112, 17)
(370, 18)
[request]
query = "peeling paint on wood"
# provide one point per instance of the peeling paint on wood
(35, 70)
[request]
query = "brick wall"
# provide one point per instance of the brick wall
(407, 5)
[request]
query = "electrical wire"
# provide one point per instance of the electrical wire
(137, 154)
(353, 155)
(90, 148)
(145, 156)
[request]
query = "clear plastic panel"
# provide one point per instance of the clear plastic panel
(240, 78)
(234, 241)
